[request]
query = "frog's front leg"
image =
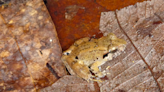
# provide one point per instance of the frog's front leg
(95, 69)
(81, 70)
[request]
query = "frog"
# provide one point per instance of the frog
(85, 57)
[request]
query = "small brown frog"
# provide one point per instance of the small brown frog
(86, 55)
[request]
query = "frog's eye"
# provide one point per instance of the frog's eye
(76, 57)
(66, 53)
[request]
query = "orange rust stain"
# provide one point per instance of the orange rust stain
(83, 17)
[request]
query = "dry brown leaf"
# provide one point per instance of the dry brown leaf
(140, 67)
(72, 84)
(28, 34)
(29, 48)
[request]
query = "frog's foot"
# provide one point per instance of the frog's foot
(96, 80)
(100, 74)
(105, 71)
(93, 78)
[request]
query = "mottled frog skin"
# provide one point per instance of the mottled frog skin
(86, 55)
